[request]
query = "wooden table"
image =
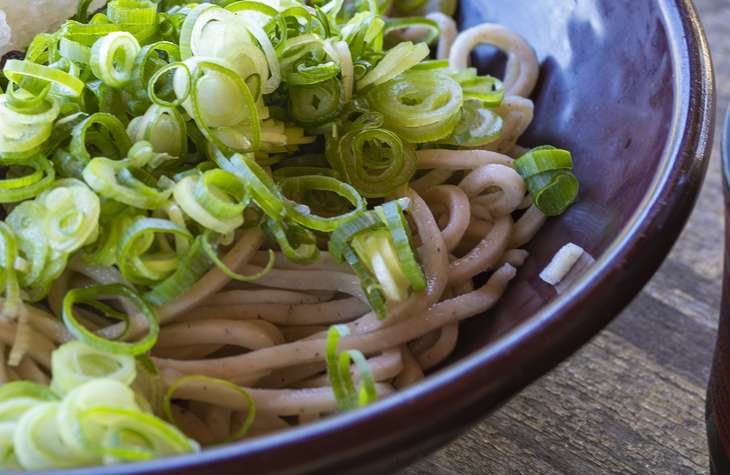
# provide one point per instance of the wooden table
(631, 401)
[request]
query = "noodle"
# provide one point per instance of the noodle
(522, 66)
(458, 212)
(247, 334)
(472, 220)
(460, 159)
(335, 311)
(448, 336)
(324, 262)
(517, 113)
(470, 213)
(308, 280)
(243, 297)
(527, 227)
(28, 370)
(192, 425)
(384, 367)
(412, 371)
(38, 346)
(486, 255)
(279, 402)
(22, 340)
(311, 351)
(4, 378)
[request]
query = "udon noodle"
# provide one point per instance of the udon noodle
(471, 215)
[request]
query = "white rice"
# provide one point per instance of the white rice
(21, 20)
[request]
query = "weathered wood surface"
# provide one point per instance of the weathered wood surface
(632, 401)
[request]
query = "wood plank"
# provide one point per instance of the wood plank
(611, 410)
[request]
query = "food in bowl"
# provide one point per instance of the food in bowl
(250, 215)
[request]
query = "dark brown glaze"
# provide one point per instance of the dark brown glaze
(10, 55)
(718, 391)
(627, 85)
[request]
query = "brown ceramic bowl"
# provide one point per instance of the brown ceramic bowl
(717, 414)
(626, 85)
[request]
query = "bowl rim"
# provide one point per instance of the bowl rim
(725, 149)
(459, 395)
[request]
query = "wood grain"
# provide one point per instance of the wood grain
(632, 401)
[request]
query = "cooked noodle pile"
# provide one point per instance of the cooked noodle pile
(471, 214)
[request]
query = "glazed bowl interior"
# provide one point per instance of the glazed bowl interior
(606, 93)
(626, 85)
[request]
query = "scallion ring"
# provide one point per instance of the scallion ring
(348, 397)
(297, 243)
(113, 58)
(92, 294)
(205, 380)
(140, 257)
(297, 186)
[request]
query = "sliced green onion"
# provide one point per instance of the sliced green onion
(375, 161)
(262, 188)
(100, 392)
(112, 58)
(207, 381)
(316, 104)
(213, 256)
(74, 51)
(22, 108)
(82, 10)
(23, 140)
(72, 215)
(91, 295)
(196, 22)
(19, 187)
(37, 442)
(338, 370)
(343, 235)
(396, 61)
(34, 77)
(547, 171)
(132, 435)
(302, 214)
(140, 258)
(184, 82)
(87, 34)
(9, 277)
(419, 105)
(191, 267)
(486, 89)
(478, 126)
(164, 128)
(114, 180)
(148, 62)
(13, 409)
(394, 24)
(251, 6)
(132, 12)
(391, 213)
(297, 243)
(111, 228)
(27, 220)
(376, 252)
(216, 200)
(432, 65)
(75, 364)
(100, 132)
(221, 103)
(370, 286)
(26, 389)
